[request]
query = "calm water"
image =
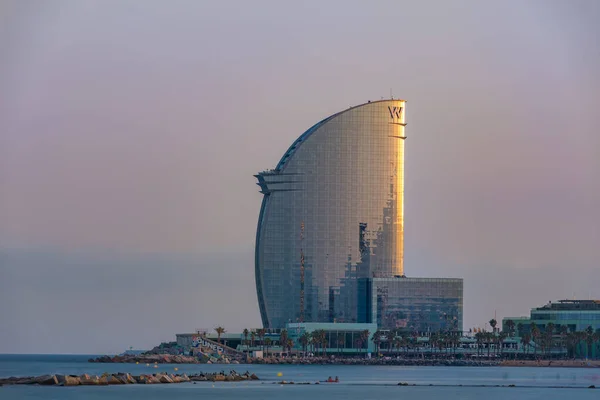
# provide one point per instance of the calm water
(357, 382)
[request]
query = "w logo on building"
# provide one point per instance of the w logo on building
(395, 112)
(396, 115)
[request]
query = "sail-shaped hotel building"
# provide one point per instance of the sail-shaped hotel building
(332, 216)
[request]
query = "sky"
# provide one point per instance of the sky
(130, 131)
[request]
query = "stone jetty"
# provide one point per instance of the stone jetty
(121, 378)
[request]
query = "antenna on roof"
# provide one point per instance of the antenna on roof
(391, 95)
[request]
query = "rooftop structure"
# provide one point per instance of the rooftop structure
(575, 315)
(571, 305)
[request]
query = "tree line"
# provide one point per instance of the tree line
(536, 342)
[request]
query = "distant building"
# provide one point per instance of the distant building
(416, 305)
(576, 315)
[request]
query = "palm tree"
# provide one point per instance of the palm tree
(493, 324)
(501, 337)
(572, 342)
(319, 339)
(489, 337)
(563, 330)
(525, 341)
(261, 333)
(304, 340)
(479, 337)
(246, 332)
(549, 334)
(377, 340)
(289, 344)
(455, 343)
(220, 330)
(252, 338)
(510, 327)
(283, 337)
(535, 334)
(324, 342)
(589, 339)
(315, 340)
(268, 342)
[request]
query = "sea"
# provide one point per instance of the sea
(355, 382)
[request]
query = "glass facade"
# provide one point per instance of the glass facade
(419, 305)
(332, 212)
(576, 315)
(338, 336)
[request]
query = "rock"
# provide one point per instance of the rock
(46, 380)
(164, 378)
(591, 387)
(113, 380)
(122, 378)
(130, 379)
(253, 377)
(71, 381)
(90, 380)
(184, 378)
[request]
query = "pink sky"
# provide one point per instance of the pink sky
(130, 131)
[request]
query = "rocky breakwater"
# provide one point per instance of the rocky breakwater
(222, 377)
(125, 379)
(147, 359)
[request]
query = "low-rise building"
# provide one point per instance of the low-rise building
(415, 305)
(576, 315)
(575, 322)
